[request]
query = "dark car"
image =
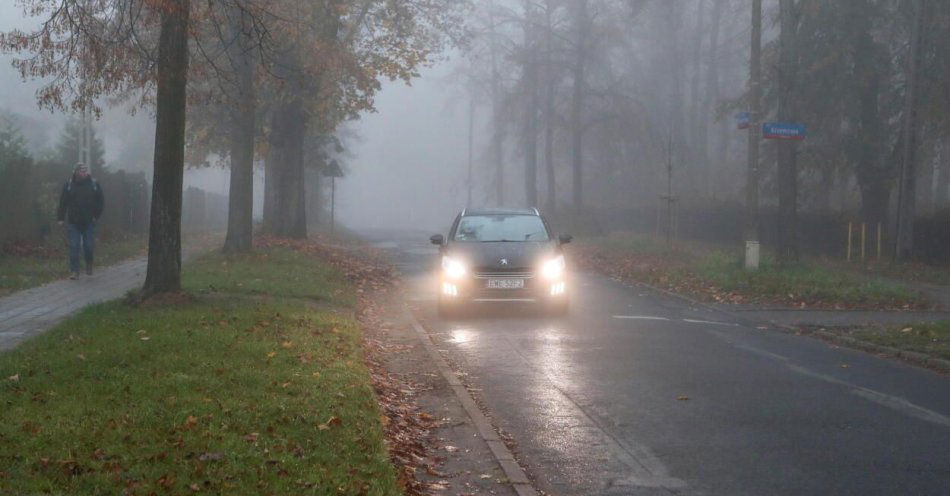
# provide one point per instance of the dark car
(495, 255)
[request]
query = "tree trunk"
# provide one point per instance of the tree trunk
(942, 175)
(530, 80)
(577, 103)
(163, 274)
(712, 97)
(907, 200)
(288, 131)
(697, 118)
(787, 249)
(241, 192)
(549, 88)
(497, 137)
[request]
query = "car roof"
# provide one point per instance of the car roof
(499, 211)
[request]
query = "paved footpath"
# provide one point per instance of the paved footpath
(27, 313)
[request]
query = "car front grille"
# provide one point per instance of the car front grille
(493, 272)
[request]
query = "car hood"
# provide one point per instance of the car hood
(489, 256)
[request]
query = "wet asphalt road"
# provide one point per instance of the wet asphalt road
(640, 393)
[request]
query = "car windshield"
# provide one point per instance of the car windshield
(498, 228)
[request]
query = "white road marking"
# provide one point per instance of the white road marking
(639, 317)
(895, 403)
(711, 322)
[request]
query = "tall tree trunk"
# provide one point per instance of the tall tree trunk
(582, 20)
(530, 81)
(786, 150)
(925, 179)
(288, 131)
(271, 180)
(697, 119)
(241, 192)
(163, 274)
(497, 137)
(907, 193)
(712, 97)
(549, 89)
(942, 175)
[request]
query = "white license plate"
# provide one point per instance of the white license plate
(505, 283)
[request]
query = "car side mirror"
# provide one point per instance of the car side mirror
(564, 239)
(437, 239)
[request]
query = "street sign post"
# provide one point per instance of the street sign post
(783, 131)
(333, 171)
(743, 119)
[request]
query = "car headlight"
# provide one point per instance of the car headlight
(553, 268)
(452, 268)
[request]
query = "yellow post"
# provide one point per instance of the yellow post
(849, 242)
(863, 238)
(878, 240)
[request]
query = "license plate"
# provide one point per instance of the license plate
(505, 283)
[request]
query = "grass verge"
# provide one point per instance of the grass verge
(48, 264)
(931, 338)
(255, 385)
(715, 275)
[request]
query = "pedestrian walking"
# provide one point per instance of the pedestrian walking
(80, 206)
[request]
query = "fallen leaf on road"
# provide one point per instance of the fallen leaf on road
(683, 398)
(485, 476)
(451, 449)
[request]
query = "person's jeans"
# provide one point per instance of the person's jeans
(81, 237)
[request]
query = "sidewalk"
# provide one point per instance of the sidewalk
(27, 313)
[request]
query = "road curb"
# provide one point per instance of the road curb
(503, 456)
(913, 357)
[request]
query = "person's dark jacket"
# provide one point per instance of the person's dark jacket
(81, 201)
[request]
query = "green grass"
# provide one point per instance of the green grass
(710, 272)
(932, 338)
(257, 386)
(803, 282)
(22, 272)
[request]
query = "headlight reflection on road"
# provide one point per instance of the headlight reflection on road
(462, 336)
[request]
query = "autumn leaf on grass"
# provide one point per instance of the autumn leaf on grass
(272, 354)
(190, 422)
(252, 437)
(14, 378)
(332, 421)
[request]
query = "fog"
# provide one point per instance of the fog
(595, 110)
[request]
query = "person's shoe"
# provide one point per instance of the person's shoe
(89, 270)
(74, 275)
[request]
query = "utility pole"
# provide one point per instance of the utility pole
(755, 128)
(906, 194)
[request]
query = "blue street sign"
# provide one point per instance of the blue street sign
(743, 119)
(783, 131)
